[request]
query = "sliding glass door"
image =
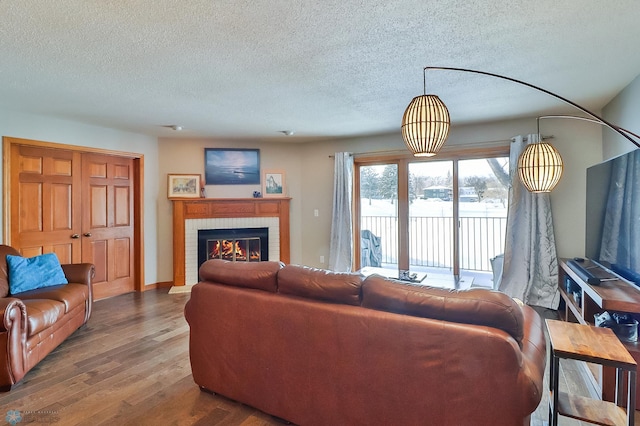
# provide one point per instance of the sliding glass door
(431, 201)
(441, 216)
(482, 204)
(379, 216)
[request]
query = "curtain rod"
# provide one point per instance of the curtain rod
(526, 139)
(469, 145)
(370, 153)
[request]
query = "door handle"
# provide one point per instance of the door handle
(87, 234)
(74, 236)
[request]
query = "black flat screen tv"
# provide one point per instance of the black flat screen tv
(613, 215)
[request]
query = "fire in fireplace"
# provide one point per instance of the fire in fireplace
(236, 244)
(241, 250)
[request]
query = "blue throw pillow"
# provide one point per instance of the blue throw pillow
(34, 272)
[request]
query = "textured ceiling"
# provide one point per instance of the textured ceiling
(320, 68)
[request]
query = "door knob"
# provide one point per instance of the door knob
(74, 236)
(87, 234)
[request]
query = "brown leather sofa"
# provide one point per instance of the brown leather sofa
(321, 348)
(35, 322)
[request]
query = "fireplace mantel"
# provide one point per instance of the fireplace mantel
(205, 208)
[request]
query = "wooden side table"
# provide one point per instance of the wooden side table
(596, 345)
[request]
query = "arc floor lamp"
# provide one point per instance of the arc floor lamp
(426, 122)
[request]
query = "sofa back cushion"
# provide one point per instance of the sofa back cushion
(473, 306)
(4, 272)
(259, 275)
(319, 284)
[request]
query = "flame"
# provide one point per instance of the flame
(234, 249)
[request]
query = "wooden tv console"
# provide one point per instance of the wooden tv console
(581, 301)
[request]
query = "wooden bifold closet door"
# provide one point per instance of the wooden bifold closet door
(78, 205)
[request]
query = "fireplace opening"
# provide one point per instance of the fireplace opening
(235, 244)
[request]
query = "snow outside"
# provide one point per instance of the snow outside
(482, 212)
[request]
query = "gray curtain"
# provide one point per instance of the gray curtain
(341, 245)
(621, 230)
(530, 269)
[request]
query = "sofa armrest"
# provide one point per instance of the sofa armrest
(14, 315)
(13, 341)
(534, 352)
(81, 273)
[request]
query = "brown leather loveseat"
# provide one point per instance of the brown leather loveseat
(35, 322)
(321, 348)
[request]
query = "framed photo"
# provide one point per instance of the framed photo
(184, 186)
(273, 184)
(229, 166)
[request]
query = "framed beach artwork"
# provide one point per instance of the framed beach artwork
(184, 186)
(273, 184)
(231, 166)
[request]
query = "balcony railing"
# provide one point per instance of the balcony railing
(431, 240)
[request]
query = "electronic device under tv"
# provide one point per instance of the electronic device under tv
(613, 215)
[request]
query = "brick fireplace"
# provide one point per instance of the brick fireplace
(193, 215)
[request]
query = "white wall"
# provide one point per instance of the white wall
(580, 145)
(49, 129)
(624, 111)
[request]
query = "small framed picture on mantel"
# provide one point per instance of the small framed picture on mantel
(273, 183)
(184, 186)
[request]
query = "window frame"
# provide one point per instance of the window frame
(402, 160)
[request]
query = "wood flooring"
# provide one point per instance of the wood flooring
(130, 366)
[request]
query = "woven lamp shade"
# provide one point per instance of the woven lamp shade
(425, 125)
(540, 167)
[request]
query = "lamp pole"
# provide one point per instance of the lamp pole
(595, 118)
(590, 120)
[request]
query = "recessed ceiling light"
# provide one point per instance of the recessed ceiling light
(173, 127)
